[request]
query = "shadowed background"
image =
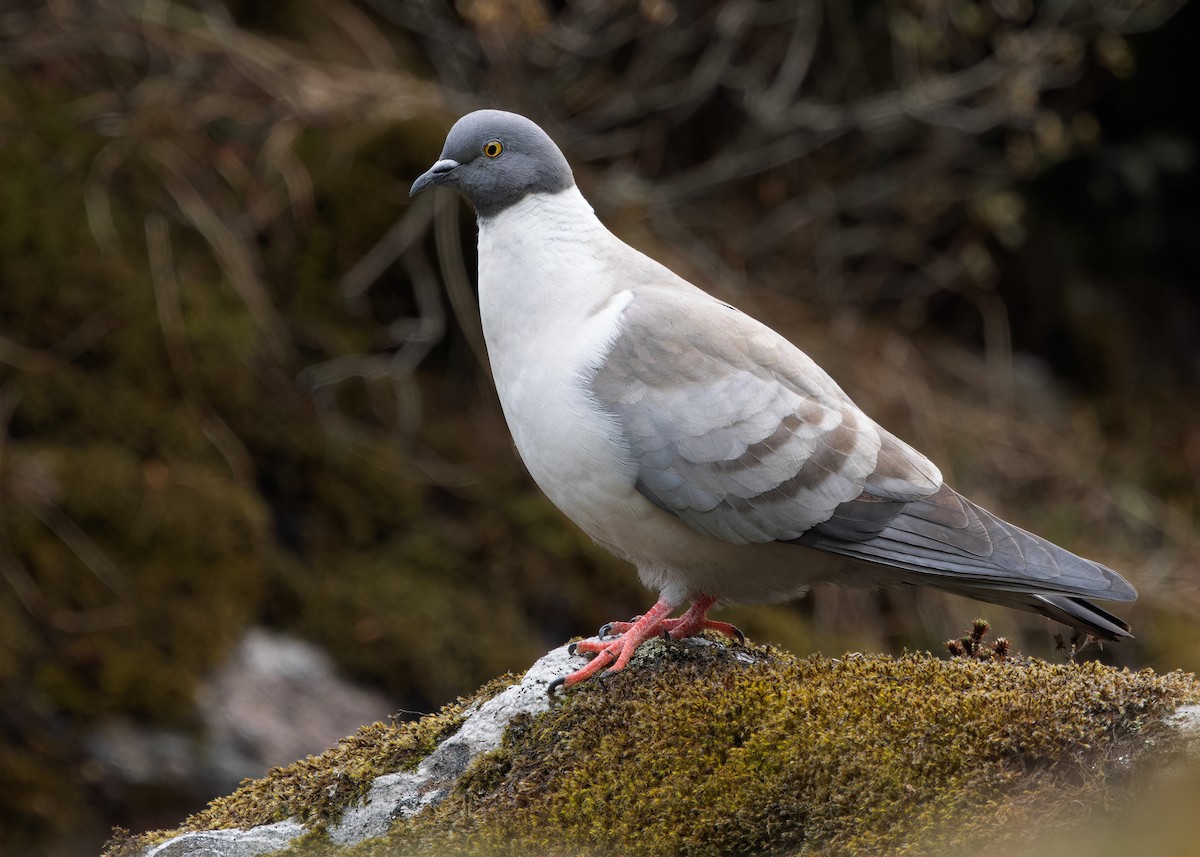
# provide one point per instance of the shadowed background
(245, 417)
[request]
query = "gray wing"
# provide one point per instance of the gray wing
(735, 430)
(743, 437)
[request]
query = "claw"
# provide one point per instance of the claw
(617, 641)
(553, 686)
(613, 655)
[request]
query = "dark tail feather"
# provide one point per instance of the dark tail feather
(960, 546)
(1076, 612)
(1082, 614)
(946, 541)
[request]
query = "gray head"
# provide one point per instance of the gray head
(496, 159)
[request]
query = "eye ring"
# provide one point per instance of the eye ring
(492, 149)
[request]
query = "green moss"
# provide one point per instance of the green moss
(700, 754)
(317, 789)
(722, 750)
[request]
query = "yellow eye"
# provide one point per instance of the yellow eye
(492, 149)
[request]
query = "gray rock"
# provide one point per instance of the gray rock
(1187, 718)
(230, 843)
(274, 700)
(136, 754)
(397, 795)
(403, 795)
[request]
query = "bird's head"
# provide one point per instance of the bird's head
(496, 159)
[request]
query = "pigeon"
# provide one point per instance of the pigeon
(698, 444)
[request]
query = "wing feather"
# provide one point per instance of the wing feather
(742, 436)
(735, 430)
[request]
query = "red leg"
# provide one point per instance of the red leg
(614, 655)
(621, 649)
(687, 625)
(696, 620)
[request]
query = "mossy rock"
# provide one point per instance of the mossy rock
(713, 749)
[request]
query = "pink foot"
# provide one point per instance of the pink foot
(689, 624)
(613, 655)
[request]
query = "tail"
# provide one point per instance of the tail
(1075, 612)
(946, 541)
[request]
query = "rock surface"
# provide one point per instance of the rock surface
(400, 794)
(954, 744)
(405, 794)
(230, 843)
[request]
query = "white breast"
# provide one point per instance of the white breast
(549, 313)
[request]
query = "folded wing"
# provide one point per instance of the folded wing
(742, 436)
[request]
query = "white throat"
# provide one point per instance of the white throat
(550, 305)
(543, 269)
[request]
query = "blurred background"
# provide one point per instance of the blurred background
(255, 487)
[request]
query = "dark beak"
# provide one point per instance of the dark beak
(436, 174)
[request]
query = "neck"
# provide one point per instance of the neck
(557, 208)
(542, 261)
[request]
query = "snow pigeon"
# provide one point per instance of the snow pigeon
(696, 442)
